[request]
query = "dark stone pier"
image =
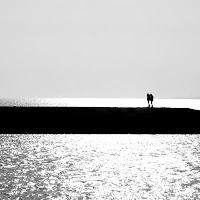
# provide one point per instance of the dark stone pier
(98, 120)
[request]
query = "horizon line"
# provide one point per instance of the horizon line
(98, 97)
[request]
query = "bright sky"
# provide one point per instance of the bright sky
(104, 48)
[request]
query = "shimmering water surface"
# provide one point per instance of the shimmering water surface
(99, 102)
(79, 167)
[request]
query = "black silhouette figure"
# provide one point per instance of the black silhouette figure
(150, 100)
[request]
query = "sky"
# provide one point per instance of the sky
(99, 48)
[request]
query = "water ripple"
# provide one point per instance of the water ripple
(99, 167)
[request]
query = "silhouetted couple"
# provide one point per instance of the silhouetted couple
(150, 100)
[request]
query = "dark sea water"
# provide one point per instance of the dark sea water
(80, 167)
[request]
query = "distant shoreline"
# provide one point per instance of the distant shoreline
(98, 120)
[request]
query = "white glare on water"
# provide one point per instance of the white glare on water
(113, 167)
(101, 102)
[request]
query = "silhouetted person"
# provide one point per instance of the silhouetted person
(148, 99)
(151, 100)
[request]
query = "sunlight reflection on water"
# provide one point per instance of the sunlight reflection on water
(83, 167)
(99, 102)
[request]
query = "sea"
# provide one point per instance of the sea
(99, 102)
(99, 167)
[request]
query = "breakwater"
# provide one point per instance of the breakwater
(98, 119)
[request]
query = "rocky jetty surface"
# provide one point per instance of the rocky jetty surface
(98, 120)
